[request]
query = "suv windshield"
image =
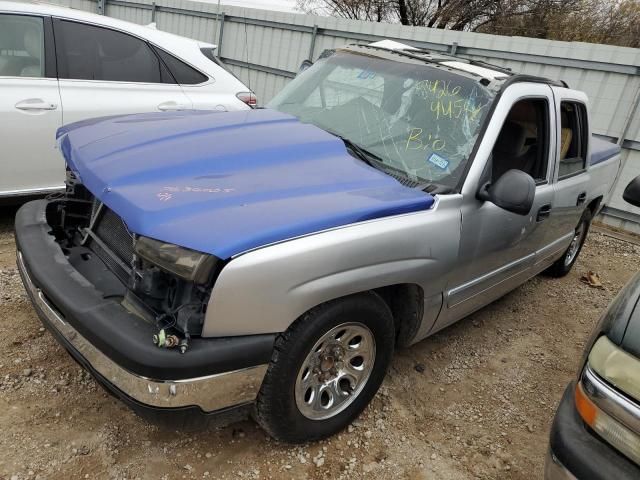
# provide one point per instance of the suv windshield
(416, 119)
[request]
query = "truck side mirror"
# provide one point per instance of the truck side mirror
(514, 192)
(632, 192)
(304, 65)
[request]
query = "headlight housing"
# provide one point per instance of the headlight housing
(611, 414)
(616, 366)
(185, 263)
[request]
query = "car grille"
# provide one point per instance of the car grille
(110, 239)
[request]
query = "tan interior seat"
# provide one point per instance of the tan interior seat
(566, 134)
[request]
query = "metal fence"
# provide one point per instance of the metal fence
(264, 48)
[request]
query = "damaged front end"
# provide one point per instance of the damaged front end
(166, 285)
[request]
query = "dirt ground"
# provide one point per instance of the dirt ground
(474, 401)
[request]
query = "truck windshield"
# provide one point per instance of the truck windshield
(417, 120)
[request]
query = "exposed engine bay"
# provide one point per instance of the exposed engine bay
(97, 242)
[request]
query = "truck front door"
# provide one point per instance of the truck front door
(498, 248)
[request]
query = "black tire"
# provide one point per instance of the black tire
(563, 265)
(276, 410)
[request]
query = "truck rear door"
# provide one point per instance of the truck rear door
(571, 177)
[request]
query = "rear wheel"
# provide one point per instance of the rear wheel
(564, 264)
(326, 368)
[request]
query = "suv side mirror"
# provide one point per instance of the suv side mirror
(514, 192)
(632, 192)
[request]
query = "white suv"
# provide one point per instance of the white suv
(59, 65)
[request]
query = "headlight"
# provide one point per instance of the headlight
(185, 263)
(616, 366)
(612, 415)
(615, 433)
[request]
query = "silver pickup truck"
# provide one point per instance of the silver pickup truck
(270, 261)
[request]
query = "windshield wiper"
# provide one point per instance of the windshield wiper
(375, 161)
(363, 154)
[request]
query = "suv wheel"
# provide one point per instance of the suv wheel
(326, 368)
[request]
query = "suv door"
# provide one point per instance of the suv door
(30, 111)
(571, 173)
(108, 72)
(498, 248)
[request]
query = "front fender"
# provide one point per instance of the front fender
(265, 290)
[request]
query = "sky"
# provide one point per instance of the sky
(279, 5)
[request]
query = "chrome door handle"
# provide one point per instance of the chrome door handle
(34, 104)
(543, 213)
(581, 199)
(171, 106)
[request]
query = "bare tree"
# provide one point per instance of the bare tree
(601, 21)
(371, 10)
(444, 14)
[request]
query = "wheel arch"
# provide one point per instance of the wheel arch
(594, 206)
(406, 303)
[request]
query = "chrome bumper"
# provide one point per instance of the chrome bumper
(554, 470)
(210, 393)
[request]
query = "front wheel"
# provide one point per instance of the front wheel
(326, 368)
(563, 265)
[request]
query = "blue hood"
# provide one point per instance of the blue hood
(224, 183)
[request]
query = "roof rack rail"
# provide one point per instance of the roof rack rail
(521, 77)
(492, 66)
(512, 77)
(406, 53)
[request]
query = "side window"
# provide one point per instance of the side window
(523, 142)
(183, 73)
(573, 138)
(86, 52)
(21, 46)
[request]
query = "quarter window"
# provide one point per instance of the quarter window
(573, 138)
(183, 73)
(86, 52)
(21, 46)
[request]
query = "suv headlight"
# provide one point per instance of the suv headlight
(188, 264)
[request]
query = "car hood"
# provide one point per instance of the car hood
(224, 183)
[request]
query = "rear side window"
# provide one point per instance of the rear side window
(573, 138)
(21, 46)
(87, 52)
(183, 73)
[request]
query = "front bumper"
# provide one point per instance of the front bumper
(577, 453)
(115, 345)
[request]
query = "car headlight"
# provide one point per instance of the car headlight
(619, 368)
(613, 416)
(185, 263)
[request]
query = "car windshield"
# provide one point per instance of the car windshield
(414, 119)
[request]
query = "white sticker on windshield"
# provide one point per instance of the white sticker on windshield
(366, 74)
(438, 161)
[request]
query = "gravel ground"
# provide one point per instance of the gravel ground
(474, 401)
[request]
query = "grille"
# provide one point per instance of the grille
(114, 233)
(109, 238)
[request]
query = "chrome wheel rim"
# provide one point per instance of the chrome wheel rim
(574, 246)
(335, 371)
